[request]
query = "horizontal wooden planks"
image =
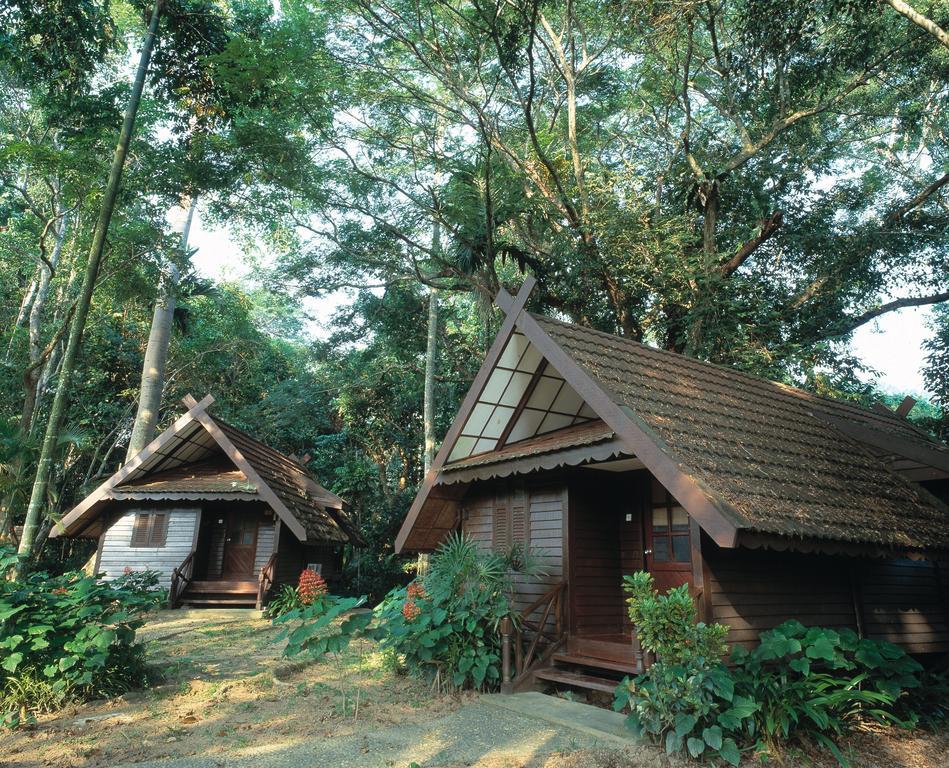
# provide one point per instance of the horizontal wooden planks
(901, 601)
(118, 554)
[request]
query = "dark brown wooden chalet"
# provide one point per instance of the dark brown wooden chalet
(607, 456)
(220, 516)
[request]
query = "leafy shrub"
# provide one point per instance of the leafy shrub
(687, 698)
(315, 634)
(143, 583)
(444, 625)
(67, 637)
(929, 702)
(667, 624)
(799, 682)
(287, 599)
(816, 683)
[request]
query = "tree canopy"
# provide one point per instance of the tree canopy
(745, 181)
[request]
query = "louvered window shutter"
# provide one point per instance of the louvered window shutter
(140, 530)
(520, 520)
(501, 528)
(159, 531)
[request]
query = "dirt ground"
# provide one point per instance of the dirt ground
(228, 690)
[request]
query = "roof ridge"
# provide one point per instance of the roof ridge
(893, 420)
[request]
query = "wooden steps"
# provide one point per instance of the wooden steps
(576, 680)
(601, 673)
(225, 587)
(220, 594)
(567, 659)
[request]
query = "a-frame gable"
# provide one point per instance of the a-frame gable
(192, 437)
(183, 425)
(445, 517)
(592, 401)
(523, 397)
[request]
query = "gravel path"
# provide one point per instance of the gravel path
(479, 734)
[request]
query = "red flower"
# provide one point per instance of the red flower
(410, 610)
(311, 586)
(416, 590)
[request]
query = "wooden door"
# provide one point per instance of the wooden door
(240, 545)
(668, 543)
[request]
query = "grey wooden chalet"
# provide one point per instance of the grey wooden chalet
(607, 456)
(221, 517)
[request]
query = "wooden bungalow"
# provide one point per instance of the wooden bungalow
(221, 517)
(607, 456)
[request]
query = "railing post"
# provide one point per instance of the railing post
(506, 627)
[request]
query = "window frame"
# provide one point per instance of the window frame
(155, 526)
(668, 533)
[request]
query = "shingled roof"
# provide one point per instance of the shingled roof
(769, 451)
(752, 460)
(202, 457)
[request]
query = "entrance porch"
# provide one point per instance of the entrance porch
(615, 520)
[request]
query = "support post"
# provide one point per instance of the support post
(506, 627)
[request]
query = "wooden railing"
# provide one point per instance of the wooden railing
(265, 580)
(180, 579)
(527, 641)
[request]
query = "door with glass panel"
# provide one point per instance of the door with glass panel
(668, 545)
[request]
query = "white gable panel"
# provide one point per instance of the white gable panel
(497, 422)
(552, 403)
(515, 389)
(513, 352)
(568, 401)
(544, 393)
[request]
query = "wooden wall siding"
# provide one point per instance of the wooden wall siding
(289, 559)
(544, 523)
(631, 553)
(117, 552)
(293, 557)
(265, 535)
(497, 514)
(904, 601)
(604, 546)
(755, 591)
(898, 600)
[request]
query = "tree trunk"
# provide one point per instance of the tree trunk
(428, 409)
(702, 283)
(38, 496)
(24, 312)
(34, 372)
(156, 353)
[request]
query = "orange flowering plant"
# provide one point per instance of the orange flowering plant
(311, 587)
(444, 625)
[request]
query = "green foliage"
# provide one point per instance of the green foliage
(929, 701)
(798, 683)
(686, 699)
(817, 683)
(316, 632)
(287, 599)
(666, 624)
(66, 637)
(689, 705)
(445, 624)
